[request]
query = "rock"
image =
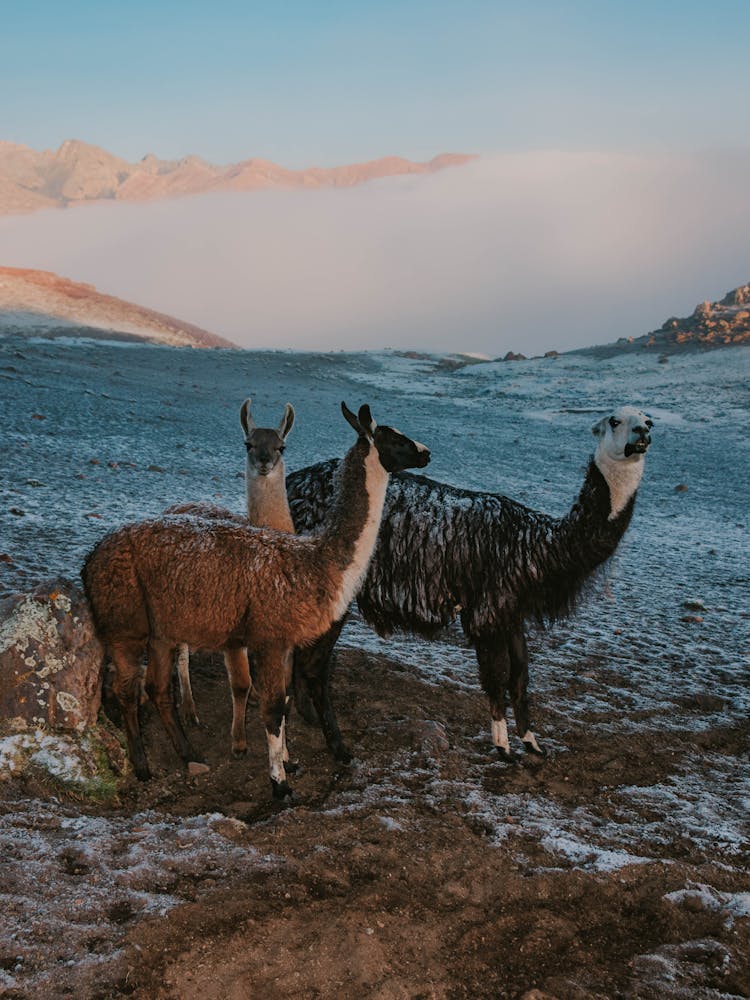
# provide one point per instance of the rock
(694, 605)
(154, 468)
(195, 768)
(681, 488)
(50, 659)
(513, 356)
(693, 619)
(17, 511)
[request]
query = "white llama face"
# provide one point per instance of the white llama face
(625, 435)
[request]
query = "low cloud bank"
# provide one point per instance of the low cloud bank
(526, 252)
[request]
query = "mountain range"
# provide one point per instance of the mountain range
(78, 172)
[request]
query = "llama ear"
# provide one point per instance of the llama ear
(247, 422)
(287, 421)
(599, 427)
(366, 421)
(350, 418)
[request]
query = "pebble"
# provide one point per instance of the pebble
(681, 488)
(695, 619)
(17, 511)
(154, 468)
(195, 768)
(694, 605)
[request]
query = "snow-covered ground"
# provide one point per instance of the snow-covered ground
(98, 433)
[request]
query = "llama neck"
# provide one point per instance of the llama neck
(622, 477)
(267, 505)
(598, 519)
(351, 530)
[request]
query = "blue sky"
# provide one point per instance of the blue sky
(329, 82)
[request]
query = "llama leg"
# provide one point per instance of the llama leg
(271, 677)
(519, 689)
(186, 691)
(494, 673)
(159, 690)
(238, 669)
(127, 688)
(314, 665)
(290, 766)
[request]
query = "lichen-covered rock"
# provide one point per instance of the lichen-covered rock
(50, 659)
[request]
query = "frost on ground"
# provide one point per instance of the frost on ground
(618, 866)
(72, 884)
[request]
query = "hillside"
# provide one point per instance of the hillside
(40, 301)
(78, 172)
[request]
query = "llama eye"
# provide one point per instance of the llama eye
(649, 424)
(282, 449)
(614, 423)
(250, 447)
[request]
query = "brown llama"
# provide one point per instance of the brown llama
(267, 507)
(221, 584)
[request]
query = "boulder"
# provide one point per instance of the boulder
(50, 659)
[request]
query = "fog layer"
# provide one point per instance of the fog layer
(526, 252)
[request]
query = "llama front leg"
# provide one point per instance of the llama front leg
(519, 689)
(159, 690)
(238, 669)
(313, 667)
(494, 673)
(270, 665)
(186, 691)
(127, 689)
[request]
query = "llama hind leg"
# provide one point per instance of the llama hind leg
(519, 690)
(186, 692)
(494, 673)
(238, 668)
(127, 688)
(313, 667)
(159, 690)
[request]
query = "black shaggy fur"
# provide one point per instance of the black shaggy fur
(445, 552)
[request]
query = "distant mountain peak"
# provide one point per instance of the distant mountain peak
(78, 172)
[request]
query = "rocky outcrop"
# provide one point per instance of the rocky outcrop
(43, 302)
(725, 323)
(78, 172)
(712, 324)
(50, 660)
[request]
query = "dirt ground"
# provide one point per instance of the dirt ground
(389, 878)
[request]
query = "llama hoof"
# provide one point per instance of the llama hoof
(142, 773)
(506, 756)
(530, 744)
(341, 755)
(291, 766)
(280, 789)
(239, 752)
